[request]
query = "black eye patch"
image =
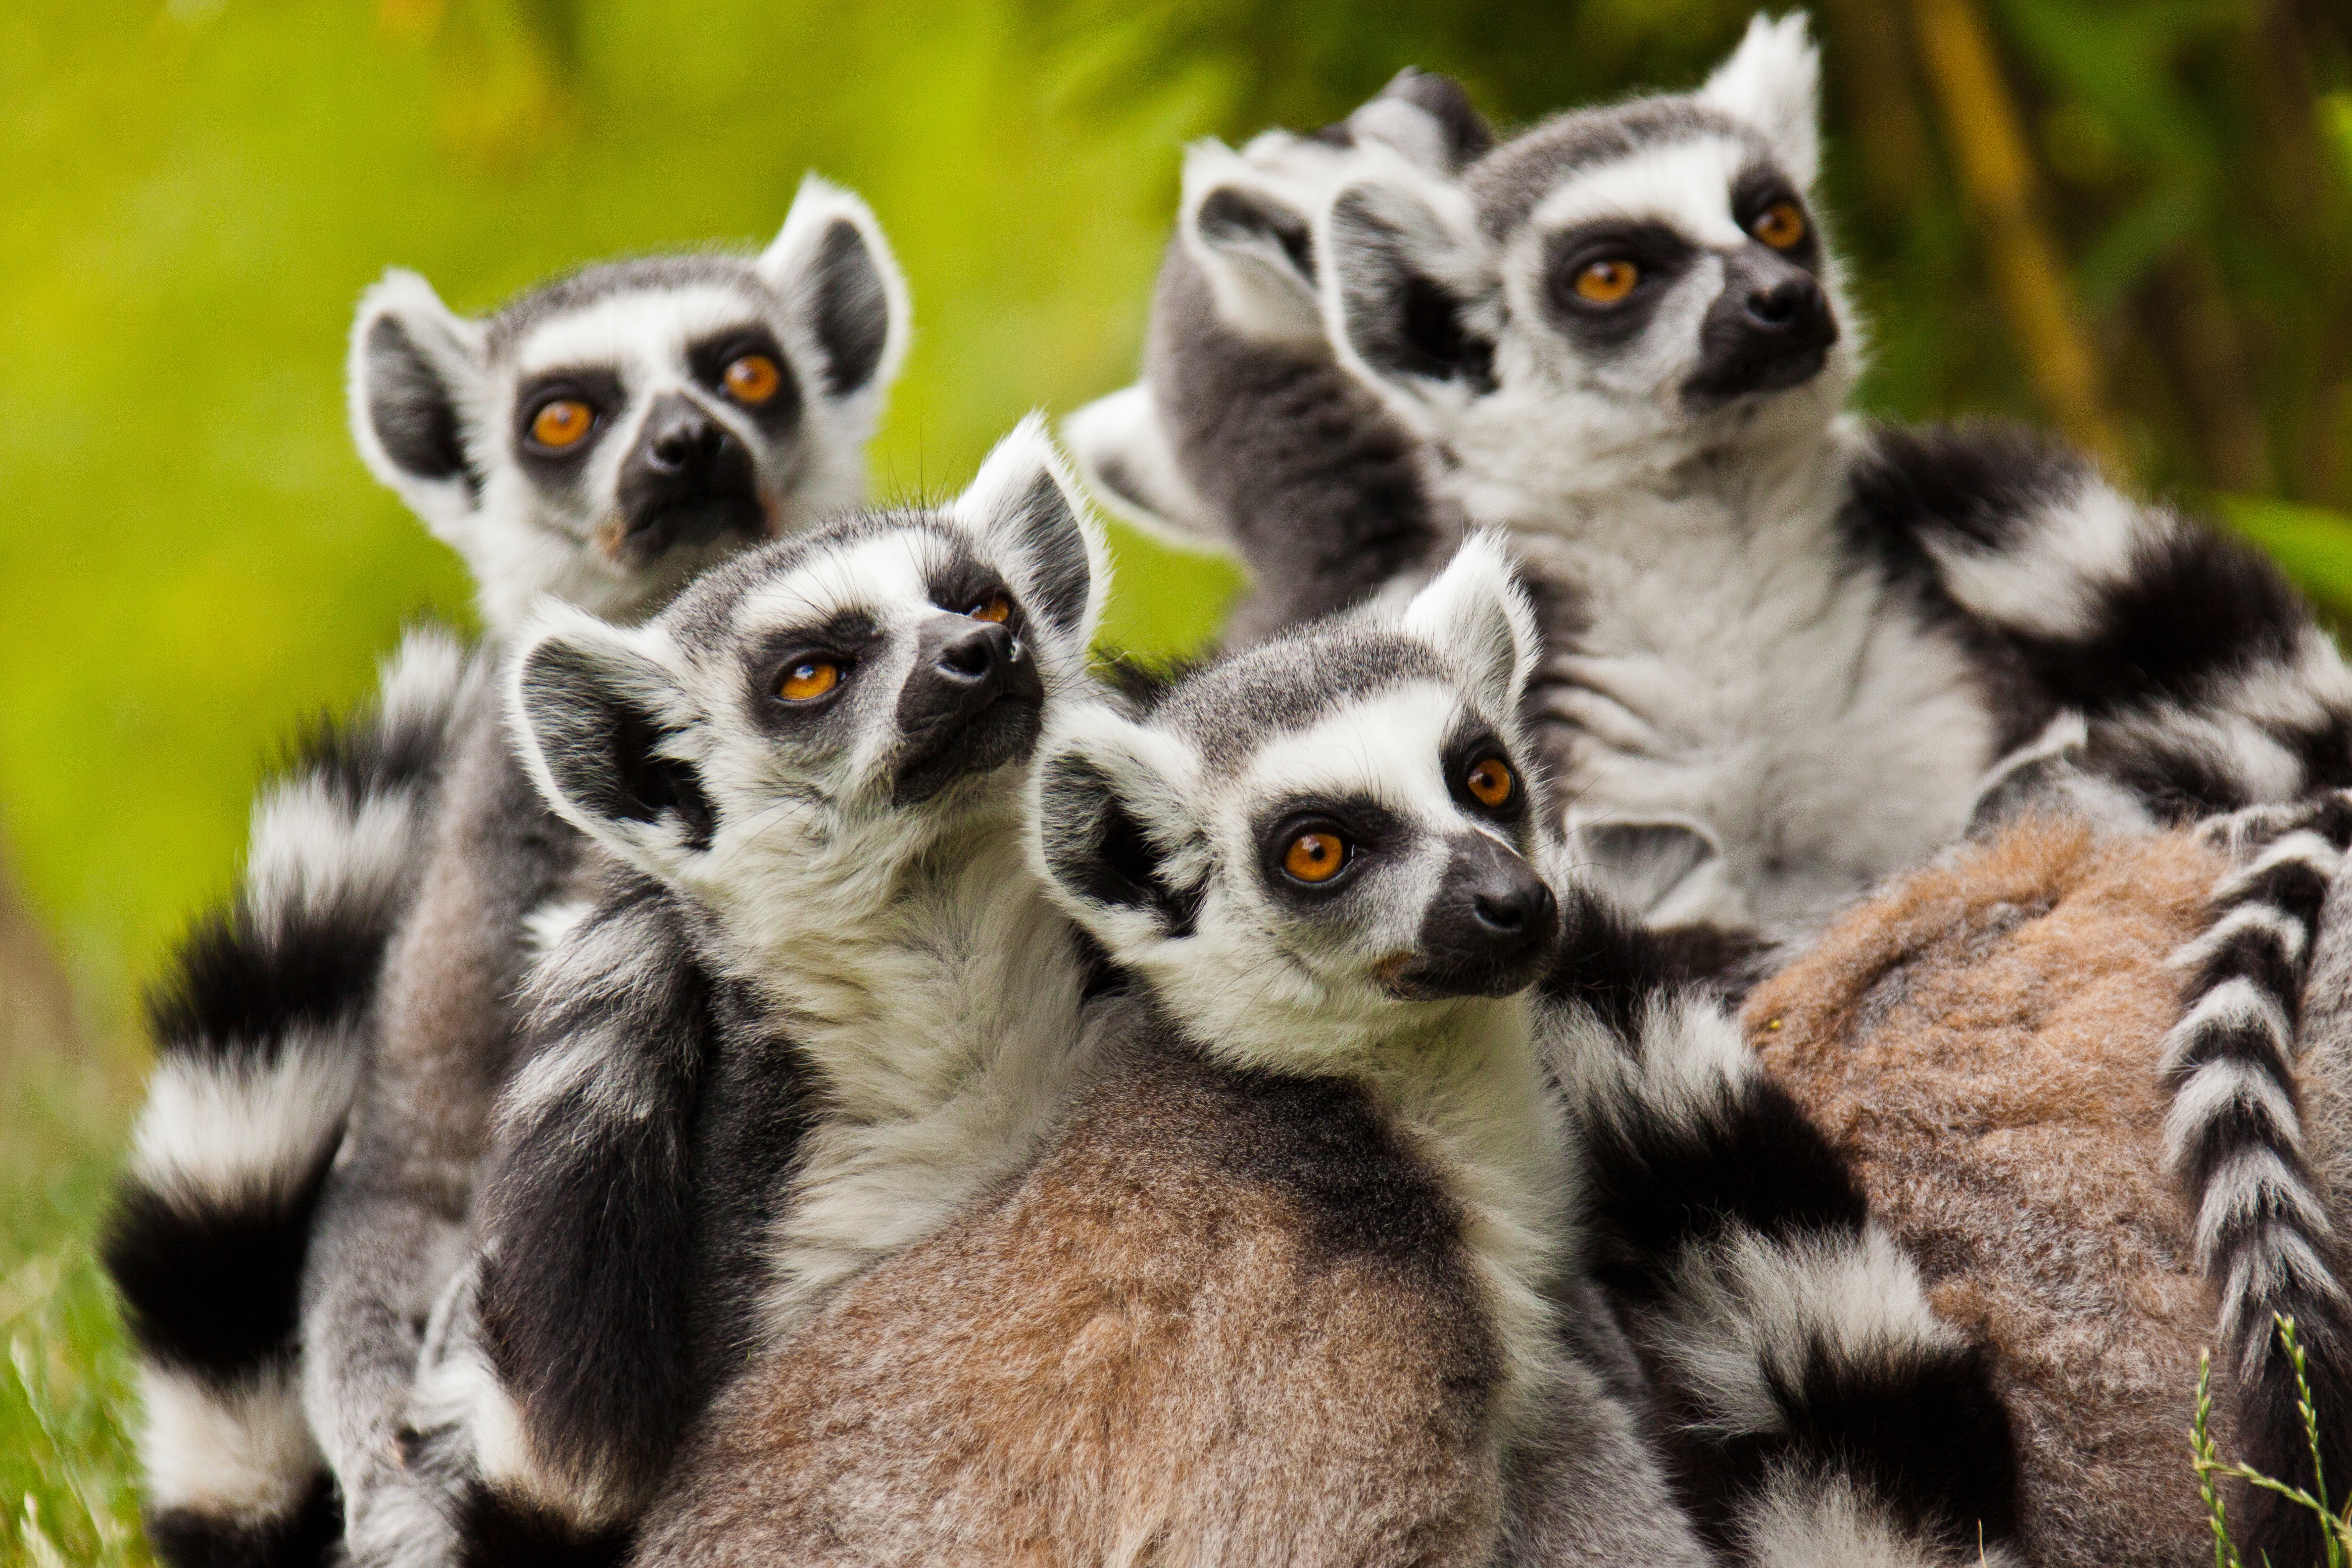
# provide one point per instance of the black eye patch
(1471, 745)
(1757, 191)
(1367, 828)
(847, 639)
(1658, 255)
(600, 389)
(964, 585)
(707, 360)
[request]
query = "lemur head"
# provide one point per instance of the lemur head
(1325, 844)
(824, 708)
(604, 436)
(1242, 268)
(1609, 292)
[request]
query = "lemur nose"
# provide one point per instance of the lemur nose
(1523, 904)
(972, 654)
(1784, 303)
(688, 438)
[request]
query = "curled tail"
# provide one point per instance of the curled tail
(260, 1028)
(2233, 1140)
(1818, 1410)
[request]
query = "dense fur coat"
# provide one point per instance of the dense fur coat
(1987, 1040)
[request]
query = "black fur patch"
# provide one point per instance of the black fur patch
(411, 409)
(234, 992)
(1611, 965)
(1098, 849)
(852, 310)
(601, 743)
(1057, 575)
(499, 1530)
(212, 1289)
(1403, 321)
(304, 1537)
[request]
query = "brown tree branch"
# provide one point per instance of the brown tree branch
(1997, 179)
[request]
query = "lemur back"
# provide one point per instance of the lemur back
(598, 438)
(819, 1003)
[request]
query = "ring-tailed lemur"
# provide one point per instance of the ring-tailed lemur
(597, 437)
(821, 1003)
(1789, 651)
(1245, 435)
(1287, 1285)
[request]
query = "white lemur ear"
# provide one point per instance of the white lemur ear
(595, 710)
(1251, 233)
(1110, 832)
(1024, 507)
(1428, 117)
(416, 382)
(841, 283)
(1409, 294)
(1477, 616)
(1122, 451)
(1773, 81)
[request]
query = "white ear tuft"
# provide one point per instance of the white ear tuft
(1250, 230)
(1773, 81)
(1409, 291)
(590, 708)
(1109, 828)
(835, 267)
(1024, 507)
(413, 381)
(1122, 452)
(1477, 616)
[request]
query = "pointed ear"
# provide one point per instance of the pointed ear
(1110, 832)
(416, 377)
(841, 282)
(1122, 451)
(1773, 81)
(1409, 293)
(1251, 234)
(1428, 117)
(1477, 616)
(594, 710)
(1024, 507)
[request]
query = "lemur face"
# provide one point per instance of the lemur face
(847, 697)
(1326, 841)
(606, 436)
(1648, 274)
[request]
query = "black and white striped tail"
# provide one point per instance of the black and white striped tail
(1818, 1410)
(2234, 1141)
(259, 1028)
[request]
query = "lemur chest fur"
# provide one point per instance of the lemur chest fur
(1721, 660)
(941, 1016)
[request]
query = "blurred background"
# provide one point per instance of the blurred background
(2130, 219)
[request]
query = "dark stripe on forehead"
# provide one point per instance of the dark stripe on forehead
(1508, 184)
(646, 274)
(705, 609)
(1231, 708)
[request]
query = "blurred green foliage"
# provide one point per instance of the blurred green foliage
(192, 559)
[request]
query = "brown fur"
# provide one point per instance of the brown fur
(1982, 1039)
(1152, 1348)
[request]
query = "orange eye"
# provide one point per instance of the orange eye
(563, 423)
(1315, 856)
(1606, 283)
(996, 607)
(808, 679)
(1780, 225)
(1490, 783)
(753, 379)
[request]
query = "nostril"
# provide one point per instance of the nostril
(1776, 306)
(969, 660)
(1507, 913)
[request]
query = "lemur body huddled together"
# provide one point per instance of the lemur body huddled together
(774, 1054)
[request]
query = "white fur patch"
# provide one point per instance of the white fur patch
(2237, 1002)
(246, 1454)
(1804, 1521)
(214, 1132)
(2049, 583)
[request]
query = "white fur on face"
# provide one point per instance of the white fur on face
(1264, 982)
